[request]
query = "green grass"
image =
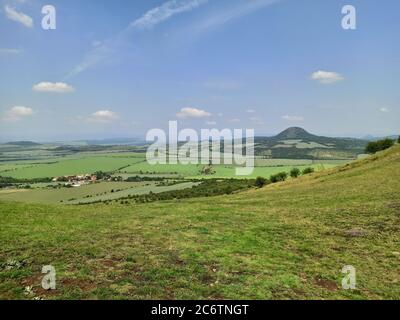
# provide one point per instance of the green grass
(286, 241)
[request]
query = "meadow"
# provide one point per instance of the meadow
(285, 241)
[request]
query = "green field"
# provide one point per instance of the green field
(128, 164)
(45, 195)
(87, 193)
(285, 241)
(230, 171)
(83, 165)
(221, 171)
(142, 188)
(295, 162)
(5, 169)
(125, 165)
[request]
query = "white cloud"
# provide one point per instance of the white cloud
(251, 111)
(165, 11)
(103, 116)
(98, 117)
(326, 77)
(55, 87)
(17, 113)
(10, 51)
(385, 110)
(192, 113)
(293, 118)
(211, 123)
(20, 17)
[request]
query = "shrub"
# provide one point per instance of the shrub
(279, 177)
(295, 172)
(398, 140)
(308, 170)
(260, 182)
(380, 145)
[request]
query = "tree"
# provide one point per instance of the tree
(260, 182)
(398, 140)
(279, 177)
(207, 170)
(380, 145)
(308, 170)
(295, 172)
(100, 175)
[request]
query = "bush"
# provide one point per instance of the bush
(398, 140)
(260, 182)
(295, 172)
(380, 145)
(308, 170)
(279, 177)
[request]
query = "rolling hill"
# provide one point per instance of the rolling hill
(23, 144)
(288, 240)
(297, 143)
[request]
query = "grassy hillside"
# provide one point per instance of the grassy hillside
(288, 240)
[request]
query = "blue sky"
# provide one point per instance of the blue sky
(119, 68)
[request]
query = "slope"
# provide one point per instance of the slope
(288, 240)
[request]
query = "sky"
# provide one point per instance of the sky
(120, 68)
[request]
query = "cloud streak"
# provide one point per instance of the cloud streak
(162, 13)
(167, 10)
(19, 17)
(10, 51)
(244, 8)
(147, 21)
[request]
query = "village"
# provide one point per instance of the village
(77, 181)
